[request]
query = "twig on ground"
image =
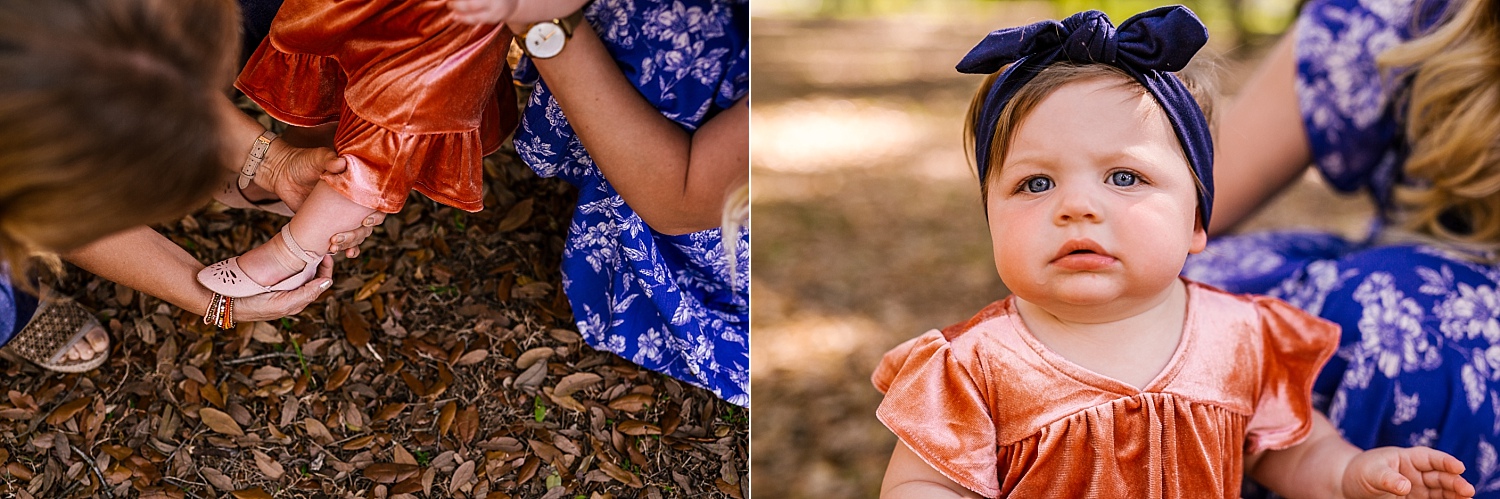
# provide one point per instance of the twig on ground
(254, 358)
(103, 486)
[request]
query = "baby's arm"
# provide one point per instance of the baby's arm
(1325, 465)
(908, 476)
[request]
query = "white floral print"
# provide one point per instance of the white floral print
(666, 302)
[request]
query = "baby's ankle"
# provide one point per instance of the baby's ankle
(286, 260)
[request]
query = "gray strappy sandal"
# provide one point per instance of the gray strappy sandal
(56, 327)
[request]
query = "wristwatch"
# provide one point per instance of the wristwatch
(544, 40)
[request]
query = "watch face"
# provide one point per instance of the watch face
(545, 40)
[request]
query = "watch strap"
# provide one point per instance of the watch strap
(258, 150)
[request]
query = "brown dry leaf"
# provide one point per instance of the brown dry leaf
(516, 217)
(217, 479)
(270, 467)
(19, 470)
(220, 421)
(356, 328)
(528, 469)
(119, 452)
(620, 474)
(389, 411)
(567, 402)
(565, 336)
(546, 451)
(401, 455)
(467, 424)
(390, 472)
(461, 476)
(414, 384)
(572, 383)
(445, 417)
(251, 493)
(370, 287)
(211, 394)
(68, 410)
(637, 428)
(264, 375)
(338, 377)
(728, 488)
(317, 431)
(533, 376)
(532, 291)
(359, 443)
(631, 402)
(428, 475)
(473, 357)
(194, 374)
(532, 356)
(264, 332)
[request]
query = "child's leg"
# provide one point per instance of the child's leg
(325, 213)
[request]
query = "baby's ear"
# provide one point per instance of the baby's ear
(1200, 236)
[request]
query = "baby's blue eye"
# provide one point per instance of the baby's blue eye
(1123, 179)
(1037, 184)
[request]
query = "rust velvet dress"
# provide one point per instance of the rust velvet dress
(988, 405)
(419, 97)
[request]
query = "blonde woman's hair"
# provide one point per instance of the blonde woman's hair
(736, 217)
(1044, 84)
(1452, 172)
(107, 116)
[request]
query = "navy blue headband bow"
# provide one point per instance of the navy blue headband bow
(1147, 46)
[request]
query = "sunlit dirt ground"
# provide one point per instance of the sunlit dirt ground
(869, 229)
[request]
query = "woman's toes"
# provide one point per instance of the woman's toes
(80, 351)
(94, 342)
(98, 340)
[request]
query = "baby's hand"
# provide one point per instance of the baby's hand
(482, 11)
(1415, 472)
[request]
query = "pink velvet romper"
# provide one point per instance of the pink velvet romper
(992, 408)
(419, 97)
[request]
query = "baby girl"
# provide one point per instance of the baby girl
(1105, 374)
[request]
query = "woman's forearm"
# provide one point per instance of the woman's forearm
(675, 180)
(1261, 144)
(146, 261)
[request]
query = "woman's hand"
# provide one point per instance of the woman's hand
(291, 172)
(280, 304)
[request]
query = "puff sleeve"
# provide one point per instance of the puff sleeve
(935, 401)
(1295, 346)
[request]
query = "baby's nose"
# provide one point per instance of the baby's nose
(1075, 205)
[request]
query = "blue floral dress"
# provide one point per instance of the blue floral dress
(1419, 357)
(673, 304)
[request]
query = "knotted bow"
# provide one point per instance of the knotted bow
(1147, 46)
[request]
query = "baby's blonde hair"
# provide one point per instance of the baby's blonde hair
(1453, 128)
(1035, 91)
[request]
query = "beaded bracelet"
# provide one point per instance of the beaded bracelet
(220, 312)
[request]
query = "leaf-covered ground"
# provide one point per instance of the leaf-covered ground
(443, 363)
